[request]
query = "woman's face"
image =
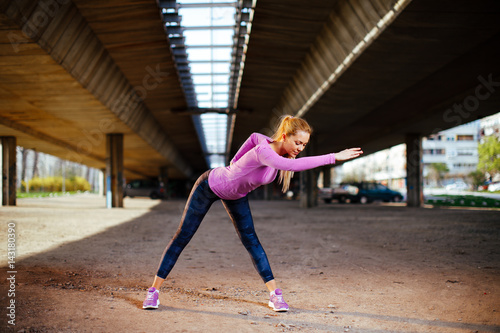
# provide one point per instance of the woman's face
(294, 144)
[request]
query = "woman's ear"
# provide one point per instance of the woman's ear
(283, 136)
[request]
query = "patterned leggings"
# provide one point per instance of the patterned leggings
(198, 204)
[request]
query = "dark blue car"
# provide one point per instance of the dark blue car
(366, 192)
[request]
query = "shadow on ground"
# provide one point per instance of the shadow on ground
(355, 259)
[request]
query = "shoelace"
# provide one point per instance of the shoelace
(151, 295)
(279, 299)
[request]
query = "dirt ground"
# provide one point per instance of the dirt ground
(343, 268)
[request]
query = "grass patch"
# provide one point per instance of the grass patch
(463, 201)
(22, 195)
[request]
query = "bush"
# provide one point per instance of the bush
(78, 184)
(463, 201)
(54, 184)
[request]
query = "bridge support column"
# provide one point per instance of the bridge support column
(268, 191)
(102, 182)
(9, 170)
(164, 180)
(309, 180)
(327, 175)
(308, 189)
(114, 170)
(414, 183)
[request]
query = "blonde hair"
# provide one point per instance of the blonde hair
(289, 125)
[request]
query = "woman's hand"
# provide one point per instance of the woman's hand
(348, 154)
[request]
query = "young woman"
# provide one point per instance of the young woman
(256, 163)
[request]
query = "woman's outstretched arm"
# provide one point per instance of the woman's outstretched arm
(269, 157)
(348, 154)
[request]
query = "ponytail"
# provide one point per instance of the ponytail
(289, 125)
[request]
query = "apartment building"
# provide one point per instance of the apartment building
(455, 147)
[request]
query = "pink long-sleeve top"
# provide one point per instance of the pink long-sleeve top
(256, 164)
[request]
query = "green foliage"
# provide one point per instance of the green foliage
(440, 168)
(437, 171)
(354, 176)
(21, 195)
(54, 184)
(463, 201)
(478, 178)
(489, 155)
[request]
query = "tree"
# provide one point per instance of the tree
(24, 155)
(489, 155)
(354, 177)
(478, 178)
(437, 171)
(35, 165)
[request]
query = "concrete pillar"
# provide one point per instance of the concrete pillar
(164, 180)
(102, 182)
(114, 170)
(308, 189)
(309, 180)
(9, 170)
(327, 175)
(305, 193)
(414, 183)
(268, 191)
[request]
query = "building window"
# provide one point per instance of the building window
(434, 151)
(436, 137)
(464, 165)
(465, 137)
(464, 152)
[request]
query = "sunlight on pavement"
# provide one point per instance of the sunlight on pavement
(43, 224)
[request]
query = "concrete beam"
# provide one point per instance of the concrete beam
(351, 28)
(8, 170)
(66, 36)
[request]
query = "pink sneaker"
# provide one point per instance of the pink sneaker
(152, 301)
(276, 301)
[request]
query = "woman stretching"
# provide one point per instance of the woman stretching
(256, 163)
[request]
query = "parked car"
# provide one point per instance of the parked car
(364, 192)
(144, 188)
(483, 187)
(493, 187)
(341, 193)
(369, 191)
(457, 186)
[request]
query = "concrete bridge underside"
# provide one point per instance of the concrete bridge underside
(371, 73)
